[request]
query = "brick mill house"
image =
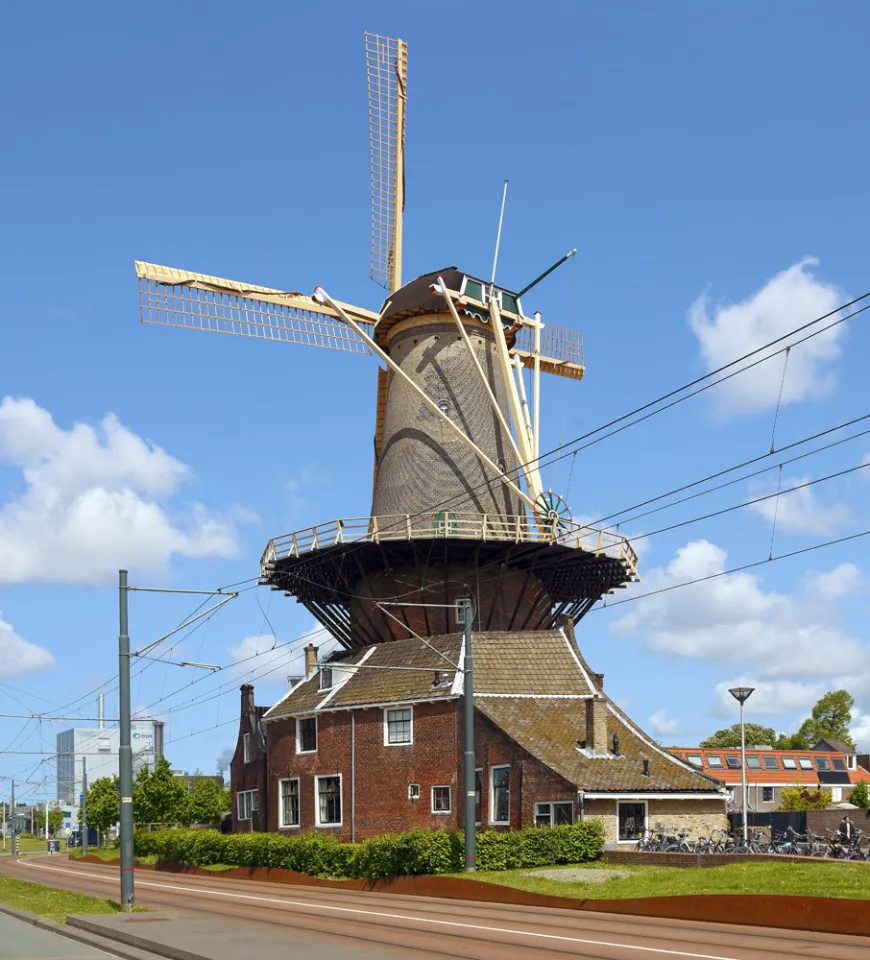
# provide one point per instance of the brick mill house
(359, 748)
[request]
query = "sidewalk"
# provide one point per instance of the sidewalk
(18, 938)
(182, 937)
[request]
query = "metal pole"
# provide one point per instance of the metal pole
(84, 823)
(125, 751)
(12, 817)
(4, 821)
(47, 844)
(468, 725)
(743, 769)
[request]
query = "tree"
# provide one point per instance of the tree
(799, 797)
(756, 735)
(206, 801)
(792, 741)
(104, 803)
(860, 795)
(159, 797)
(55, 820)
(830, 720)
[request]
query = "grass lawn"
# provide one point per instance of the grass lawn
(104, 853)
(849, 880)
(49, 902)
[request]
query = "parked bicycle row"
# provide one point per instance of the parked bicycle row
(790, 843)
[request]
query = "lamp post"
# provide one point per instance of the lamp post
(741, 695)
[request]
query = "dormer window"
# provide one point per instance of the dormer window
(326, 678)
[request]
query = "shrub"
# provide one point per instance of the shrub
(389, 855)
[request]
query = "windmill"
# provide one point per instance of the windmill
(458, 506)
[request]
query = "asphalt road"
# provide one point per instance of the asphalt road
(412, 927)
(20, 940)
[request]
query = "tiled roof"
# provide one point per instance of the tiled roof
(550, 729)
(539, 662)
(770, 775)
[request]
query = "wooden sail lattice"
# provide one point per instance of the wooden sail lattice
(387, 69)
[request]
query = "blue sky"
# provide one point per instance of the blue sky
(707, 161)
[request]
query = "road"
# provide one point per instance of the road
(416, 927)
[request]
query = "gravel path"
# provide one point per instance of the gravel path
(576, 875)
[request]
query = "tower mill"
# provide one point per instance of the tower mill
(458, 509)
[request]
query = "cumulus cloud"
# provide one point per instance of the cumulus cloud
(860, 731)
(18, 656)
(728, 331)
(770, 697)
(662, 724)
(799, 511)
(265, 659)
(94, 500)
(732, 618)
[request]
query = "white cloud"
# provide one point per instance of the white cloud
(733, 619)
(728, 331)
(843, 580)
(18, 656)
(860, 731)
(769, 697)
(95, 500)
(265, 659)
(662, 724)
(799, 511)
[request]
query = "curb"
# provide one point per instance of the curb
(69, 931)
(140, 946)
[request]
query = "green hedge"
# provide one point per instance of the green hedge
(389, 855)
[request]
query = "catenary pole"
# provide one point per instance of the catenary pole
(12, 818)
(468, 718)
(4, 821)
(84, 823)
(125, 751)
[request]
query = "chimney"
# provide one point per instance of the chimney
(596, 724)
(158, 740)
(598, 678)
(100, 711)
(310, 660)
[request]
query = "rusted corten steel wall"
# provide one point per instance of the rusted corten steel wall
(423, 467)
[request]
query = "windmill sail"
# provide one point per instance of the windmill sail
(196, 301)
(387, 68)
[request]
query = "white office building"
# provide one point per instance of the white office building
(99, 747)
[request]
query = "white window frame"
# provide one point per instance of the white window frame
(326, 678)
(805, 763)
(772, 794)
(247, 806)
(414, 792)
(551, 804)
(836, 794)
(400, 743)
(281, 823)
(317, 821)
(299, 749)
(644, 829)
(463, 605)
(449, 810)
(246, 748)
(492, 770)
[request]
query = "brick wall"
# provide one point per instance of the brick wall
(251, 775)
(702, 818)
(820, 820)
(378, 792)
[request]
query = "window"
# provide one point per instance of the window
(767, 794)
(714, 761)
(836, 794)
(398, 726)
(441, 800)
(462, 608)
(732, 794)
(445, 524)
(632, 820)
(839, 763)
(733, 761)
(788, 763)
(822, 763)
(326, 678)
(329, 801)
(289, 803)
(246, 748)
(500, 801)
(553, 814)
(413, 791)
(753, 762)
(806, 763)
(306, 735)
(103, 745)
(770, 762)
(247, 804)
(852, 762)
(478, 793)
(695, 759)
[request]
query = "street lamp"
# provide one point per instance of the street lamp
(741, 695)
